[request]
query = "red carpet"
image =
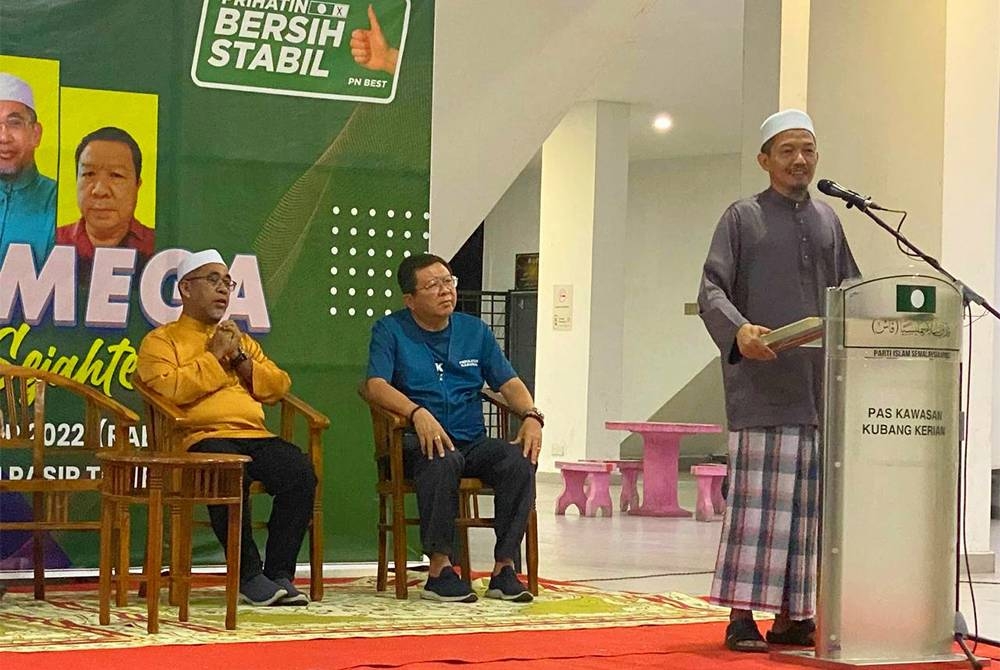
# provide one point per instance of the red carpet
(680, 647)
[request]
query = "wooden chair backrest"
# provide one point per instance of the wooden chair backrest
(24, 394)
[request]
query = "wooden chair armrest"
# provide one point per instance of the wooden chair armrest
(313, 417)
(494, 398)
(159, 403)
(392, 420)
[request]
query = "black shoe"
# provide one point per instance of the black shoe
(448, 587)
(506, 586)
(261, 591)
(294, 596)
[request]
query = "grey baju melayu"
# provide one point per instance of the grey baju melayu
(769, 264)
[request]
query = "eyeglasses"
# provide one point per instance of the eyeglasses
(216, 280)
(449, 282)
(15, 123)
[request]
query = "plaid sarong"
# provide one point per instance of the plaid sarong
(767, 553)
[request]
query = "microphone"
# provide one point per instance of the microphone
(852, 198)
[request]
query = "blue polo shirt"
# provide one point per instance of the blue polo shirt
(443, 371)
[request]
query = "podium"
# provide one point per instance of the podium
(889, 489)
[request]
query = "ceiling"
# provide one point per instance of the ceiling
(506, 73)
(685, 58)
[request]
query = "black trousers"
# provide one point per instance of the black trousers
(288, 475)
(501, 465)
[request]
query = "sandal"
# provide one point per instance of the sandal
(798, 634)
(742, 635)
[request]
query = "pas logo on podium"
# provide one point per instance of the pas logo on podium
(916, 299)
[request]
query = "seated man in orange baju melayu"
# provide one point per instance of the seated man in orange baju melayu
(221, 376)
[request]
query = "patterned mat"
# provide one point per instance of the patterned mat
(350, 608)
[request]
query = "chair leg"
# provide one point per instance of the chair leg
(176, 559)
(531, 549)
(233, 563)
(124, 519)
(180, 571)
(316, 557)
(383, 561)
(104, 562)
(462, 530)
(399, 546)
(38, 559)
(154, 555)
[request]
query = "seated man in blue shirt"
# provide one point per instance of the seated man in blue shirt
(429, 364)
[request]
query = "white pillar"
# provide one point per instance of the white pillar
(775, 74)
(969, 220)
(578, 373)
(904, 96)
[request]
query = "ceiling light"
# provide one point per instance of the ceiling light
(662, 123)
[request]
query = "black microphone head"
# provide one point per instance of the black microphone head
(827, 186)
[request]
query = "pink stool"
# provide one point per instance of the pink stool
(630, 470)
(710, 500)
(585, 484)
(629, 500)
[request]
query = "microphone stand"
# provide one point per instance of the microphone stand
(968, 296)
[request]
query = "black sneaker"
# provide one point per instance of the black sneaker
(261, 591)
(448, 587)
(294, 596)
(506, 586)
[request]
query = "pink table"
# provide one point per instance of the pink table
(661, 446)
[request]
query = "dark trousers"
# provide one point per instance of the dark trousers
(288, 475)
(501, 465)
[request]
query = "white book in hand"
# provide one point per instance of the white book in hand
(795, 334)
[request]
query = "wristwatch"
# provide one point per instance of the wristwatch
(238, 359)
(536, 414)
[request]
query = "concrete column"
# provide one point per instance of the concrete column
(905, 96)
(578, 374)
(775, 73)
(969, 224)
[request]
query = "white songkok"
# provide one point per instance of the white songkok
(195, 260)
(17, 90)
(789, 119)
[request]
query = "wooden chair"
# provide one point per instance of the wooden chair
(165, 420)
(392, 487)
(25, 397)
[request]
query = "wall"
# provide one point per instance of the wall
(673, 206)
(512, 228)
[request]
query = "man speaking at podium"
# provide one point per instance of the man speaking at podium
(772, 257)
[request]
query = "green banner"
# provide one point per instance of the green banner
(312, 181)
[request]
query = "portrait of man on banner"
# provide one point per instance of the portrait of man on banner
(27, 197)
(108, 177)
(108, 152)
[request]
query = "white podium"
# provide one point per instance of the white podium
(889, 489)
